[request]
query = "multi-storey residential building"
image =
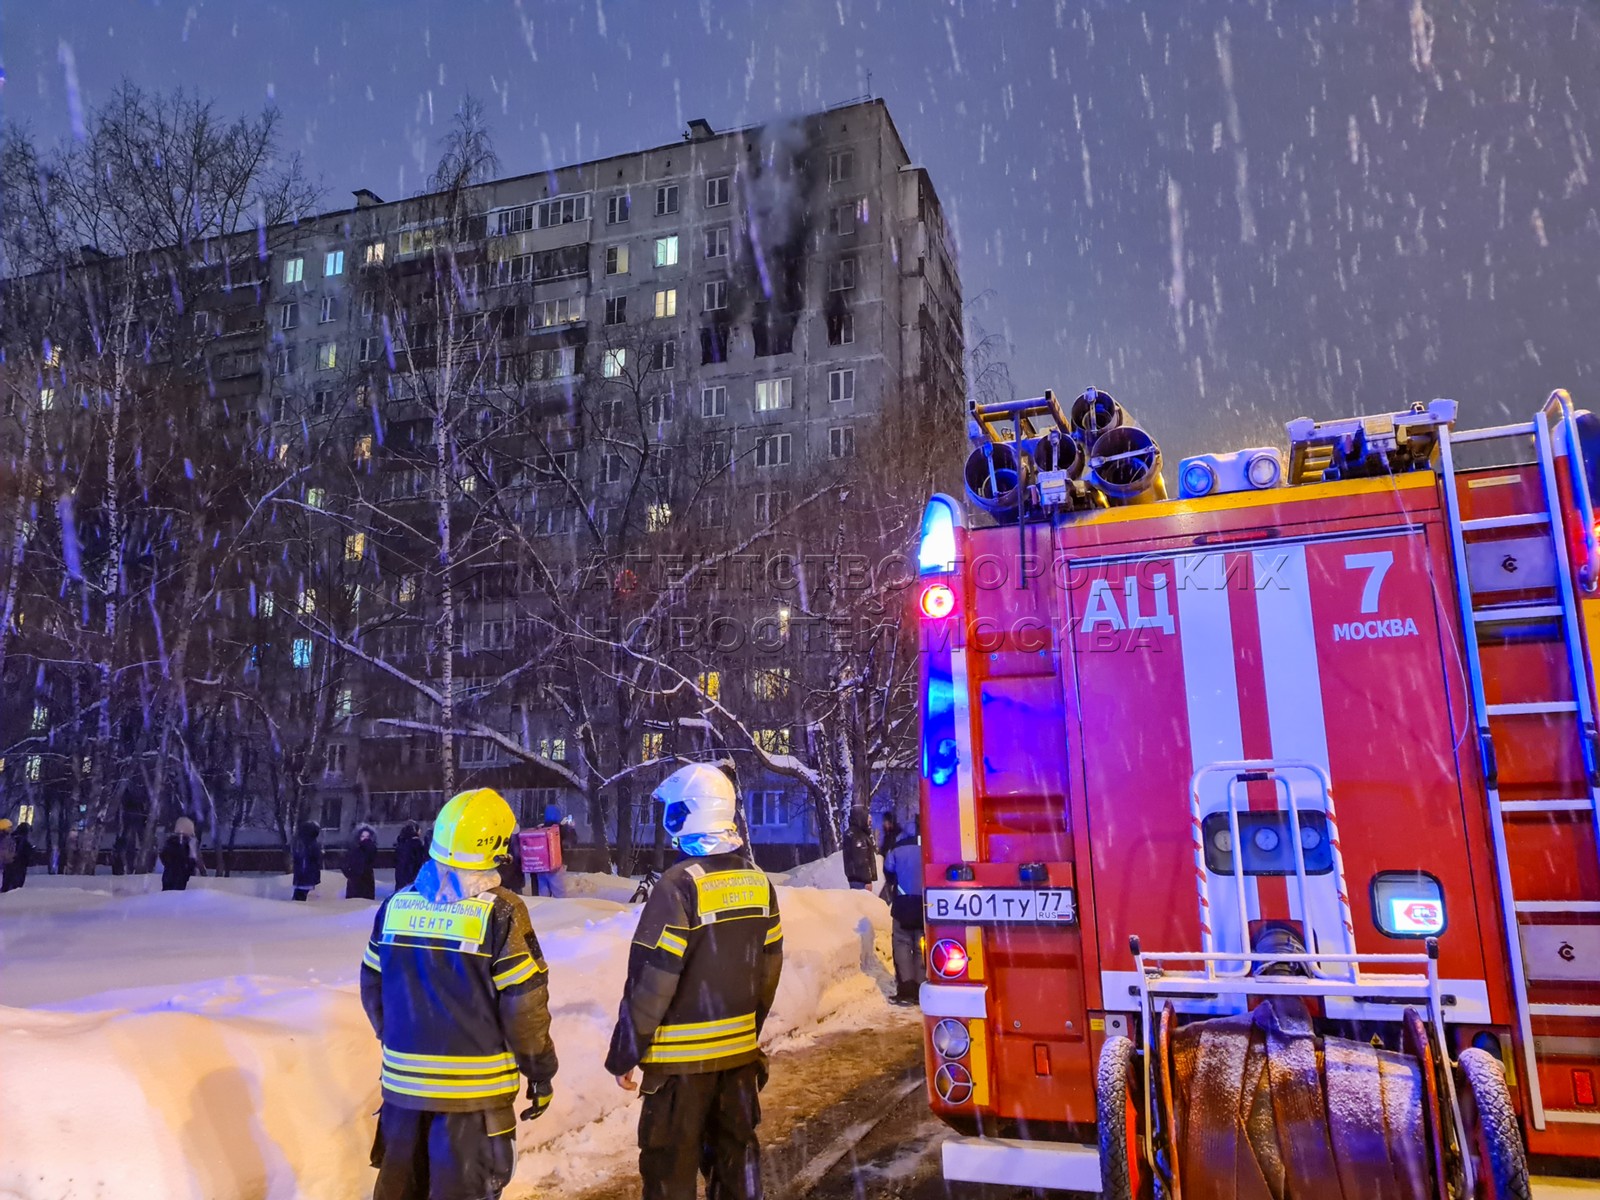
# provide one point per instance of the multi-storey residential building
(507, 418)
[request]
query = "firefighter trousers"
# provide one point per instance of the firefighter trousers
(443, 1155)
(702, 1124)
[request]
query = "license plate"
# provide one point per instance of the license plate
(1050, 906)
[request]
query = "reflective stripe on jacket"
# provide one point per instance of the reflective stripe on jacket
(458, 994)
(702, 971)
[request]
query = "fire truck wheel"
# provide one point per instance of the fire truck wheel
(1123, 1174)
(1502, 1164)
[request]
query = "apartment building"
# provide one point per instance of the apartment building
(749, 306)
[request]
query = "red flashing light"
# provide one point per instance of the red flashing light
(948, 958)
(938, 601)
(1583, 1087)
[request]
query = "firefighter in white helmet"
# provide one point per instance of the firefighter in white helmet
(455, 986)
(702, 973)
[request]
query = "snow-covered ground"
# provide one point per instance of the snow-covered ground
(210, 1044)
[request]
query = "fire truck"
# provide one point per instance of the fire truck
(1259, 823)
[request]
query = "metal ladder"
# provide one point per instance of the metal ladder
(1486, 715)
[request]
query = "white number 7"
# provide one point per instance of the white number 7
(1378, 563)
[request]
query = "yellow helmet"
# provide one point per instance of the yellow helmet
(473, 830)
(5, 824)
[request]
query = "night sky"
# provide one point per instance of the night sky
(1225, 213)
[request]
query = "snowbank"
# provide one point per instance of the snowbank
(210, 1044)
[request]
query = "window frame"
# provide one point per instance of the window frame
(667, 199)
(719, 190)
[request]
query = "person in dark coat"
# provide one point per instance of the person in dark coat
(307, 851)
(891, 832)
(512, 876)
(359, 862)
(16, 871)
(180, 856)
(860, 852)
(409, 855)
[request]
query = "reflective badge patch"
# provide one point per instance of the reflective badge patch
(411, 916)
(728, 890)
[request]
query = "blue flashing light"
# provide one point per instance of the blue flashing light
(937, 551)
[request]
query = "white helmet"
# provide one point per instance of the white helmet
(697, 800)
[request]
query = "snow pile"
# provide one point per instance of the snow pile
(211, 1044)
(823, 873)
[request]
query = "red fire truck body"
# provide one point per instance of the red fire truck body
(1083, 673)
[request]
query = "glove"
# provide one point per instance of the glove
(538, 1100)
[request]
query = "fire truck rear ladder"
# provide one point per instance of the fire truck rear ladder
(1566, 609)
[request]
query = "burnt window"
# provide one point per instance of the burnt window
(714, 340)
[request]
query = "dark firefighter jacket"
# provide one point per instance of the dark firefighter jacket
(702, 971)
(456, 990)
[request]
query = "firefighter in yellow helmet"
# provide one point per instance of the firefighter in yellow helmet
(455, 986)
(702, 973)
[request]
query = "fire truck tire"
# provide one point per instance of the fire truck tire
(1501, 1161)
(1123, 1174)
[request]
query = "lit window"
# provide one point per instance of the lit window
(616, 260)
(364, 448)
(714, 402)
(47, 399)
(406, 592)
(294, 269)
(52, 353)
(315, 497)
(355, 547)
(710, 684)
(841, 385)
(614, 363)
(773, 741)
(41, 717)
(307, 602)
(333, 263)
(657, 517)
(372, 253)
(667, 251)
(301, 653)
(772, 394)
(35, 767)
(651, 744)
(667, 303)
(783, 620)
(280, 452)
(327, 356)
(717, 191)
(770, 683)
(344, 704)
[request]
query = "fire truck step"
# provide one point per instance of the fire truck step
(1492, 433)
(1533, 709)
(1559, 906)
(1564, 1010)
(1515, 612)
(1515, 521)
(1545, 806)
(1572, 1116)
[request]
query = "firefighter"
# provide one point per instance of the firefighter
(702, 973)
(455, 986)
